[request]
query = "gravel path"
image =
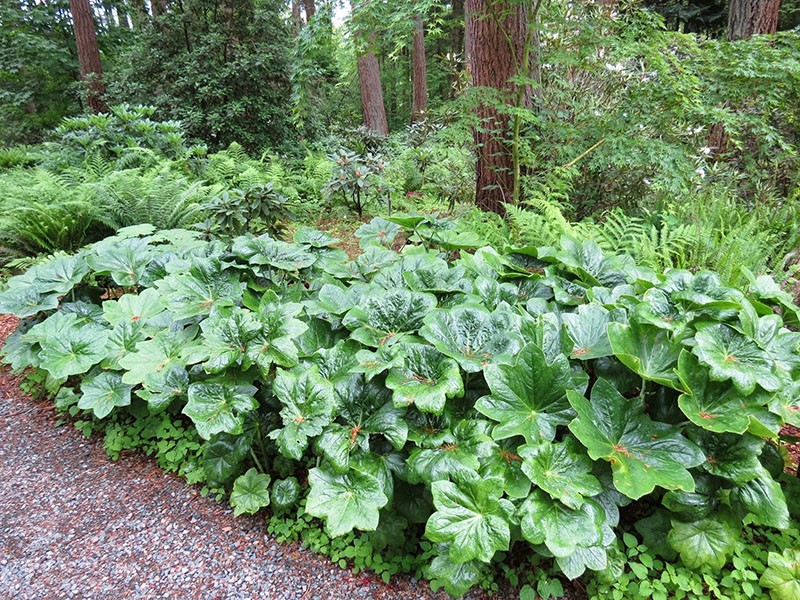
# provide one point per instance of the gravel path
(75, 524)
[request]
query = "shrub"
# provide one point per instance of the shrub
(535, 400)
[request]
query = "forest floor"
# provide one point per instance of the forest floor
(75, 524)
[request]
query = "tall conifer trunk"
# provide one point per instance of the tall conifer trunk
(419, 72)
(311, 9)
(496, 37)
(747, 18)
(88, 54)
(372, 107)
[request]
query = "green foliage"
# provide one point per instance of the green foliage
(759, 567)
(529, 402)
(358, 178)
(225, 78)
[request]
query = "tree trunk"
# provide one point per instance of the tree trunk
(372, 107)
(159, 7)
(496, 40)
(311, 9)
(296, 18)
(747, 18)
(419, 72)
(88, 54)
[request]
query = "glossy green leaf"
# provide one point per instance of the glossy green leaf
(378, 231)
(346, 501)
(308, 404)
(133, 308)
(125, 260)
(643, 453)
(562, 529)
(647, 351)
(731, 355)
(308, 236)
(455, 451)
(729, 456)
(103, 393)
(456, 577)
(223, 457)
(382, 318)
(470, 516)
(562, 470)
(705, 542)
(718, 407)
(263, 250)
(226, 336)
(782, 576)
(529, 398)
(587, 328)
(156, 356)
(205, 285)
(218, 407)
(285, 493)
(473, 337)
(67, 346)
(250, 493)
(426, 379)
(763, 498)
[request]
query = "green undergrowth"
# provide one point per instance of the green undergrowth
(438, 406)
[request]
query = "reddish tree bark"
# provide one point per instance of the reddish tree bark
(747, 18)
(419, 70)
(372, 107)
(496, 36)
(457, 32)
(88, 54)
(311, 9)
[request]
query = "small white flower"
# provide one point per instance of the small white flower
(705, 150)
(701, 172)
(646, 181)
(616, 67)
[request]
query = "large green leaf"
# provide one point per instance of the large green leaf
(729, 456)
(587, 327)
(505, 463)
(562, 529)
(264, 250)
(250, 493)
(58, 275)
(346, 501)
(782, 576)
(643, 453)
(473, 337)
(470, 516)
(705, 542)
(562, 470)
(731, 355)
(384, 317)
(156, 356)
(378, 232)
(308, 405)
(68, 347)
(163, 387)
(718, 407)
(223, 457)
(529, 398)
(456, 577)
(308, 236)
(647, 351)
(763, 498)
(226, 336)
(134, 308)
(285, 493)
(125, 260)
(205, 285)
(103, 393)
(219, 407)
(455, 451)
(426, 379)
(26, 301)
(437, 277)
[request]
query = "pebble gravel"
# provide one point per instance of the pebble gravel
(75, 524)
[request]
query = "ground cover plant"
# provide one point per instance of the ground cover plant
(482, 405)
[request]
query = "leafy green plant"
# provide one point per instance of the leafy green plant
(521, 403)
(358, 179)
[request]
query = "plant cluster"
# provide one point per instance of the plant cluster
(534, 400)
(359, 180)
